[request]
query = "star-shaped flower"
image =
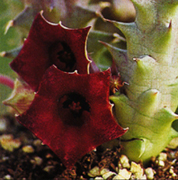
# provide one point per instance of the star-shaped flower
(71, 113)
(49, 44)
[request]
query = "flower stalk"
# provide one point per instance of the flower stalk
(7, 81)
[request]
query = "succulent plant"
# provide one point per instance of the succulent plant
(147, 64)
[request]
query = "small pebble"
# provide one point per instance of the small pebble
(98, 178)
(8, 142)
(124, 161)
(6, 136)
(108, 174)
(143, 177)
(48, 168)
(4, 158)
(173, 155)
(161, 163)
(3, 125)
(162, 156)
(173, 144)
(82, 178)
(136, 170)
(37, 160)
(103, 171)
(94, 172)
(149, 173)
(171, 171)
(123, 174)
(28, 149)
(37, 142)
(49, 156)
(7, 177)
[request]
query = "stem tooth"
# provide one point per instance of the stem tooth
(3, 54)
(128, 29)
(118, 54)
(9, 24)
(10, 54)
(149, 101)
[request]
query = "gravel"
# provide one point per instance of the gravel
(23, 156)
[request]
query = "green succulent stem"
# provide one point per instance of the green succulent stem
(150, 66)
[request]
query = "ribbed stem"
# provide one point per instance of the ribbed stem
(5, 80)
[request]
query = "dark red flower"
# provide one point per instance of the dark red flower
(49, 44)
(71, 113)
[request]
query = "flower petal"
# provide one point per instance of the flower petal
(44, 40)
(70, 140)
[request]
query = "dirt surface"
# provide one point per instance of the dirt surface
(22, 156)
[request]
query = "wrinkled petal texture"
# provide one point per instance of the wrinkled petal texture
(34, 58)
(71, 142)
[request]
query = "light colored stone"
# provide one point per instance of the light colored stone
(108, 174)
(37, 160)
(173, 154)
(3, 124)
(98, 178)
(5, 158)
(7, 177)
(6, 136)
(105, 173)
(133, 177)
(94, 172)
(124, 161)
(171, 170)
(28, 149)
(143, 177)
(104, 170)
(118, 177)
(48, 168)
(136, 169)
(161, 163)
(8, 142)
(49, 156)
(37, 142)
(123, 174)
(149, 173)
(173, 144)
(162, 156)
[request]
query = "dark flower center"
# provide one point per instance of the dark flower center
(76, 103)
(71, 108)
(62, 56)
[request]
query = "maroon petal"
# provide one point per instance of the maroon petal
(49, 44)
(71, 113)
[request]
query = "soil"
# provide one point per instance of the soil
(38, 162)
